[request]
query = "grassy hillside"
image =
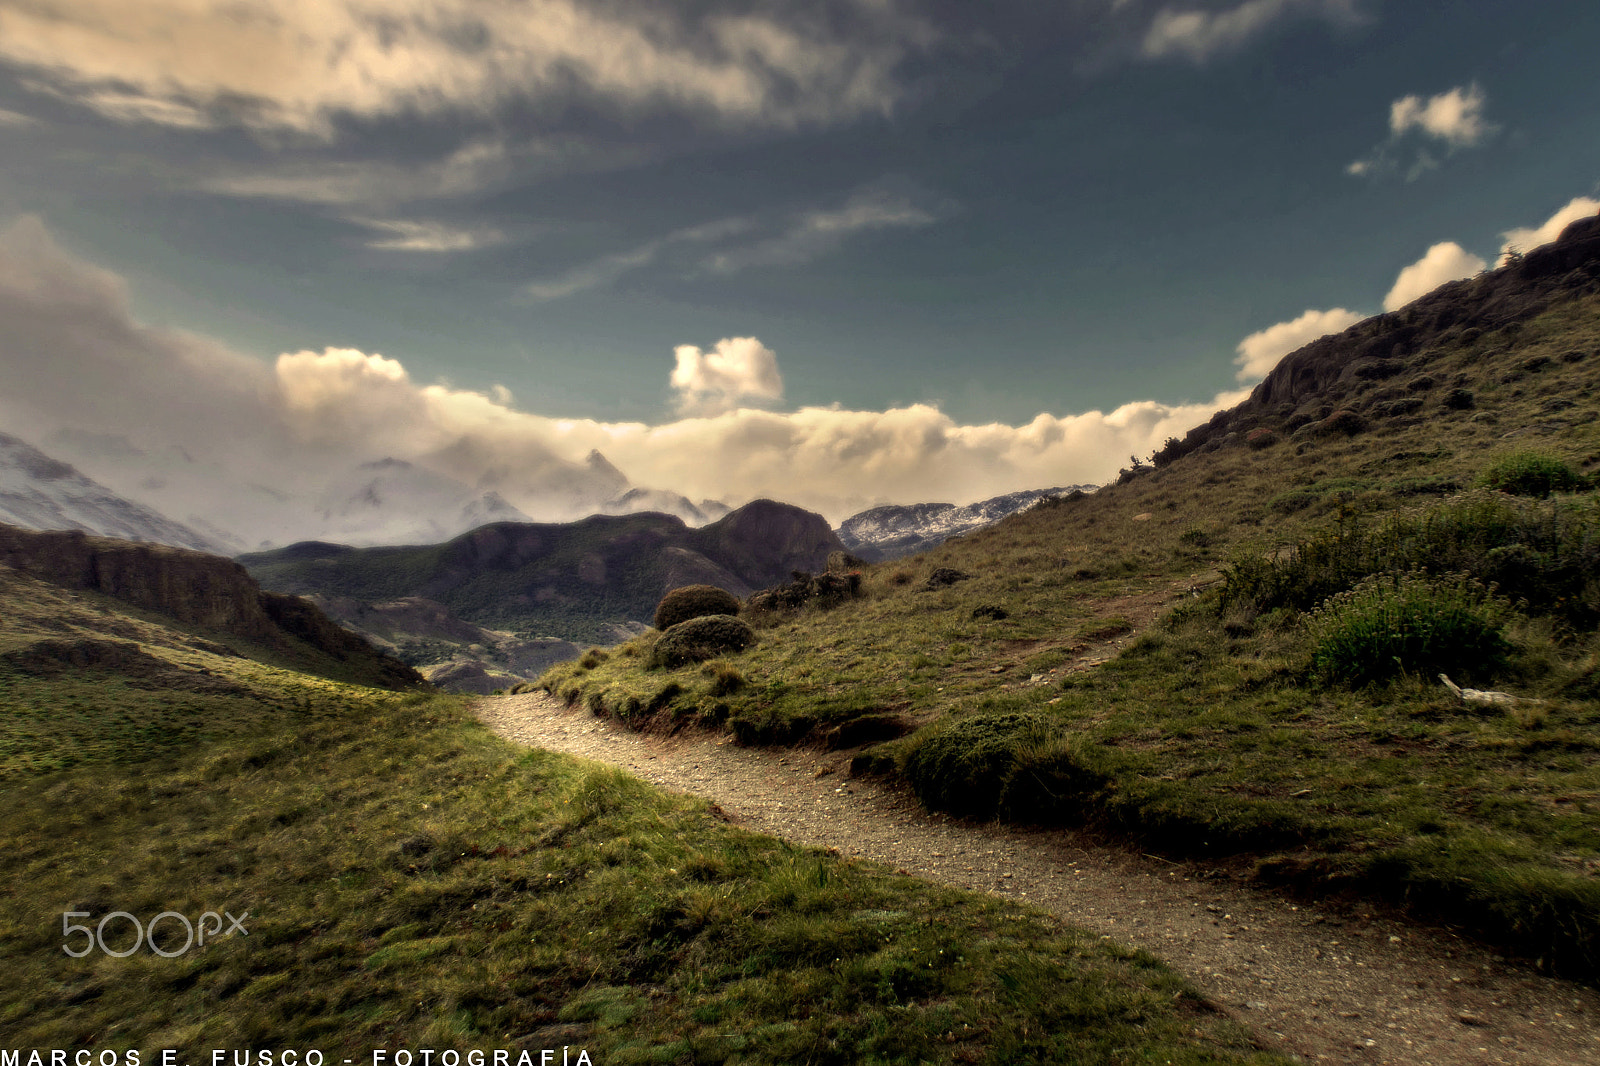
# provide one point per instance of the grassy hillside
(408, 880)
(1276, 595)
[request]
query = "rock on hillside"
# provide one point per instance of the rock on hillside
(39, 492)
(197, 589)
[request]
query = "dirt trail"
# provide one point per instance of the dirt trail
(1324, 985)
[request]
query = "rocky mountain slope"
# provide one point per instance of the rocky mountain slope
(208, 592)
(39, 492)
(897, 530)
(529, 587)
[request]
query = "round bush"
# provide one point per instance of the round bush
(698, 639)
(1531, 474)
(1410, 623)
(693, 601)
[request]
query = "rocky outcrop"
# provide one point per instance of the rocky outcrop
(193, 588)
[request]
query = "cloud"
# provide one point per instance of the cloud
(1453, 118)
(16, 118)
(469, 169)
(1199, 35)
(738, 371)
(302, 65)
(816, 233)
(1261, 351)
(418, 236)
(1525, 240)
(271, 439)
(1444, 262)
(798, 239)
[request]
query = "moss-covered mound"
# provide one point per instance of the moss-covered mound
(693, 601)
(699, 639)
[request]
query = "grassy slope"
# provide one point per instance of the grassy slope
(413, 881)
(1210, 735)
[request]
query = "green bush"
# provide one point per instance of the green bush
(699, 639)
(1531, 474)
(1409, 623)
(1545, 556)
(693, 601)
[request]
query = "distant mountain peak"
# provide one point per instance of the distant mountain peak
(43, 493)
(600, 466)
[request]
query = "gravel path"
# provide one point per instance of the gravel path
(1324, 985)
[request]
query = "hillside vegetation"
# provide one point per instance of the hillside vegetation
(1267, 604)
(407, 880)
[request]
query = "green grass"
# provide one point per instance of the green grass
(1215, 734)
(413, 881)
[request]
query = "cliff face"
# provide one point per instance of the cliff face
(194, 588)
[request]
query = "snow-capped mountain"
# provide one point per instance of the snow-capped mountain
(39, 492)
(636, 500)
(897, 530)
(391, 501)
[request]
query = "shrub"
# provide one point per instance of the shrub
(1460, 400)
(1531, 474)
(698, 639)
(1260, 438)
(1409, 623)
(593, 658)
(694, 601)
(1547, 554)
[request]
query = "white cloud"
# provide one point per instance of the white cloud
(408, 235)
(1261, 351)
(816, 233)
(1199, 35)
(300, 64)
(1454, 117)
(1524, 239)
(1444, 262)
(469, 169)
(738, 371)
(799, 239)
(16, 118)
(273, 439)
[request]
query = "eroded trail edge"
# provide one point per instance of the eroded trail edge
(1325, 986)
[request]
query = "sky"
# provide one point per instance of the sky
(838, 252)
